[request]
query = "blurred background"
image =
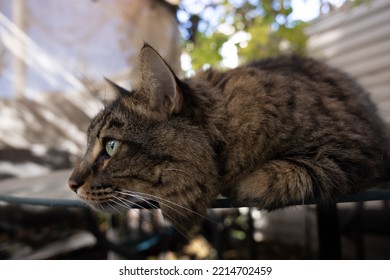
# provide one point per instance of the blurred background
(54, 56)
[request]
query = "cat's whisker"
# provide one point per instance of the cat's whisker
(96, 206)
(127, 202)
(153, 206)
(183, 231)
(128, 205)
(166, 203)
(122, 202)
(113, 200)
(93, 90)
(159, 199)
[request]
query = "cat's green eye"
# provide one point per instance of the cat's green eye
(111, 146)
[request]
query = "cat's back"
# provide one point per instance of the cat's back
(296, 90)
(293, 106)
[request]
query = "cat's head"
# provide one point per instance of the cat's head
(140, 148)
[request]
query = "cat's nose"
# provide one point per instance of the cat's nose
(75, 183)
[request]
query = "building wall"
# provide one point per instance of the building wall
(358, 42)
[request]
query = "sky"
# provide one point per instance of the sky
(307, 10)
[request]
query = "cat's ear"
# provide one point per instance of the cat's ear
(159, 81)
(116, 89)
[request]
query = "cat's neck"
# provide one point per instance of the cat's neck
(203, 106)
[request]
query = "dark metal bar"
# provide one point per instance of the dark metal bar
(328, 232)
(370, 195)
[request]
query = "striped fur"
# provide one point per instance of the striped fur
(273, 133)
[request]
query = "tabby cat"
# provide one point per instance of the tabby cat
(273, 133)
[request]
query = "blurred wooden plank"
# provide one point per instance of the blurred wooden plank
(337, 43)
(381, 77)
(357, 42)
(362, 67)
(379, 48)
(336, 19)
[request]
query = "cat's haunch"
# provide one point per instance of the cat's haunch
(273, 133)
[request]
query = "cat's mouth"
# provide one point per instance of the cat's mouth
(95, 194)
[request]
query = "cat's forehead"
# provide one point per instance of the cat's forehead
(102, 118)
(96, 123)
(121, 116)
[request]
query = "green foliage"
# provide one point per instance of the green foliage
(267, 42)
(206, 49)
(267, 24)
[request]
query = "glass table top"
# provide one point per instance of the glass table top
(46, 190)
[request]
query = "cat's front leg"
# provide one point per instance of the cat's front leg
(277, 183)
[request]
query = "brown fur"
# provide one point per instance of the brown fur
(273, 133)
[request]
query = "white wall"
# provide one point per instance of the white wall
(358, 42)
